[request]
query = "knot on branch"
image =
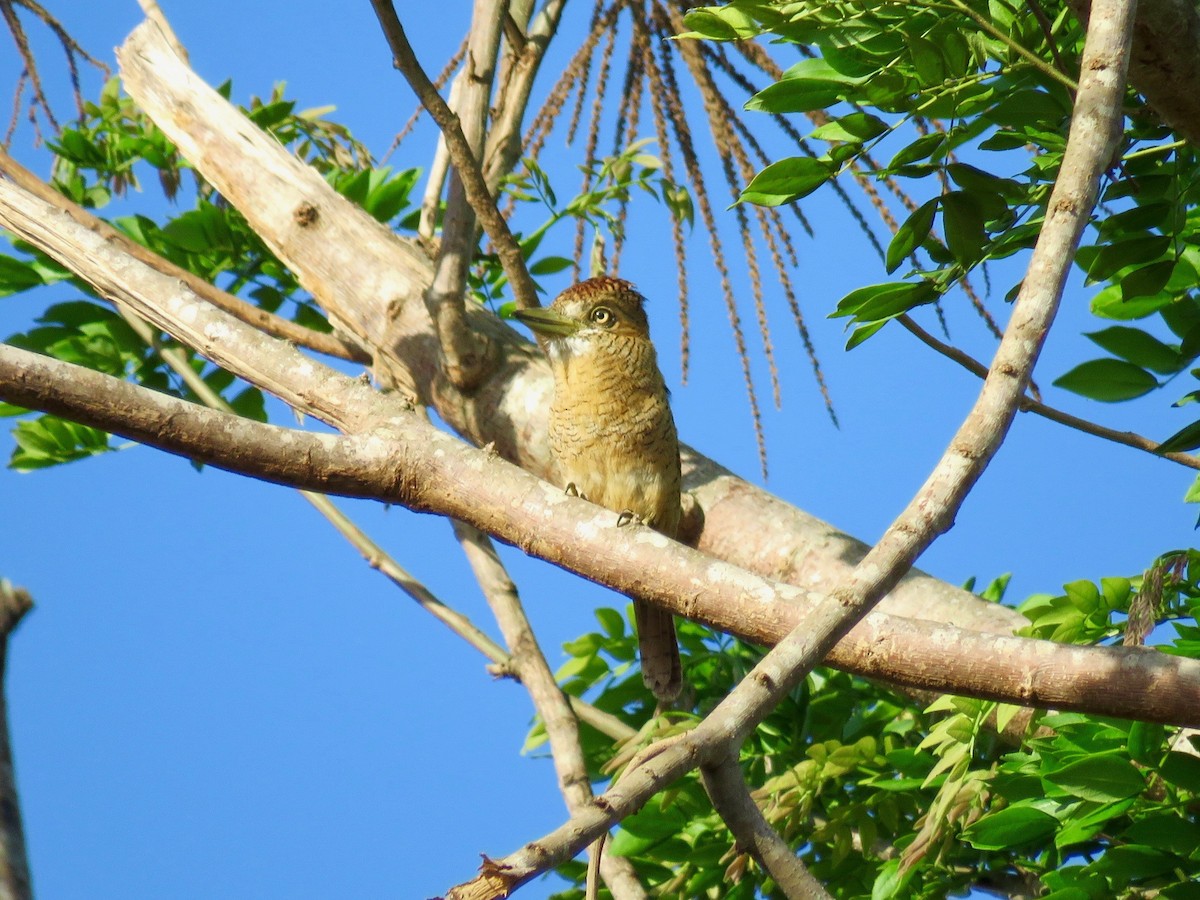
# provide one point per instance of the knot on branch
(305, 215)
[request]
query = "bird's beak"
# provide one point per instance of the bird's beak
(547, 322)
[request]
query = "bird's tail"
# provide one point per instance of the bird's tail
(661, 668)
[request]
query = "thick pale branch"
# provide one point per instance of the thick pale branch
(329, 344)
(367, 279)
(407, 461)
(1164, 63)
(464, 352)
(504, 139)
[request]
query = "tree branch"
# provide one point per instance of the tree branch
(371, 283)
(465, 355)
(551, 703)
(1028, 404)
(731, 798)
(1095, 127)
(761, 610)
(459, 148)
(329, 344)
(402, 460)
(504, 139)
(15, 881)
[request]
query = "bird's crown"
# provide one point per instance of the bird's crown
(605, 303)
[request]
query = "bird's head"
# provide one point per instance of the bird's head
(594, 313)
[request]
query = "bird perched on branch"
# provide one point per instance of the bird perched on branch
(611, 431)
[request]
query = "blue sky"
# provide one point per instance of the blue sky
(216, 697)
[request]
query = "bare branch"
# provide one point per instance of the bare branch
(15, 882)
(465, 356)
(1165, 61)
(552, 704)
(371, 283)
(329, 344)
(731, 798)
(504, 139)
(912, 653)
(459, 148)
(1028, 404)
(154, 14)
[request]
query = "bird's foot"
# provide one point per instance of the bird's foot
(629, 517)
(571, 491)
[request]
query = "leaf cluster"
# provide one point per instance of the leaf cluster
(884, 798)
(931, 84)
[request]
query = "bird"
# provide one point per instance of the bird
(612, 435)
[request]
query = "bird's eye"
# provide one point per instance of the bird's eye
(603, 316)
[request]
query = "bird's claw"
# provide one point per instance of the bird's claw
(627, 517)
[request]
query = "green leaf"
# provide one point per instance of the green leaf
(911, 234)
(1175, 833)
(1148, 280)
(978, 181)
(853, 128)
(50, 441)
(1109, 380)
(891, 881)
(1026, 108)
(921, 148)
(928, 61)
(1103, 261)
(16, 276)
(1182, 770)
(1080, 828)
(963, 220)
(1134, 861)
(723, 23)
(1193, 491)
(1139, 348)
(883, 301)
(1109, 304)
(1182, 441)
(796, 95)
(548, 265)
(786, 180)
(611, 621)
(1010, 827)
(863, 332)
(645, 829)
(1102, 778)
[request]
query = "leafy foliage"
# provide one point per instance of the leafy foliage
(884, 798)
(935, 83)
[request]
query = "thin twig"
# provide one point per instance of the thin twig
(15, 880)
(1028, 404)
(476, 189)
(40, 100)
(731, 798)
(562, 729)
